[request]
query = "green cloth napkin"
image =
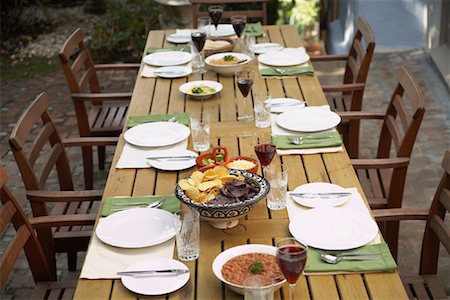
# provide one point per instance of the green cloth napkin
(168, 202)
(284, 141)
(285, 71)
(253, 29)
(176, 48)
(182, 118)
(385, 263)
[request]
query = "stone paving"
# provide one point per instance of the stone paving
(423, 175)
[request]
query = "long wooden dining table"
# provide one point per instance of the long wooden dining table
(261, 225)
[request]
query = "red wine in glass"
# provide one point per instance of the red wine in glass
(238, 25)
(245, 85)
(265, 153)
(215, 13)
(291, 259)
(199, 39)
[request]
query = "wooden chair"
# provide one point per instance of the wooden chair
(348, 96)
(383, 178)
(25, 238)
(257, 13)
(426, 285)
(39, 152)
(99, 114)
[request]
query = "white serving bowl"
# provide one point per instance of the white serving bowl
(227, 70)
(228, 254)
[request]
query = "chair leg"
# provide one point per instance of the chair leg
(72, 260)
(391, 236)
(101, 157)
(88, 168)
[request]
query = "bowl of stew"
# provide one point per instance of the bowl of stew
(233, 265)
(227, 63)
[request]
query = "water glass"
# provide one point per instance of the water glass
(258, 287)
(277, 197)
(204, 24)
(187, 228)
(262, 110)
(249, 45)
(200, 133)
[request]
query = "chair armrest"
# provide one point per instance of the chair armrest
(101, 97)
(397, 214)
(361, 115)
(380, 163)
(90, 141)
(347, 87)
(116, 67)
(63, 220)
(64, 196)
(323, 58)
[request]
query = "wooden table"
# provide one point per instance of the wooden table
(159, 96)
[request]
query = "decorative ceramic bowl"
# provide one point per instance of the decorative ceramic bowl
(212, 157)
(249, 159)
(227, 70)
(227, 215)
(228, 254)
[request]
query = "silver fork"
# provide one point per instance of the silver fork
(173, 119)
(300, 140)
(279, 71)
(155, 204)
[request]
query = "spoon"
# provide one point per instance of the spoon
(155, 204)
(173, 119)
(334, 259)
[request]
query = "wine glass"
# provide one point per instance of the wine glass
(244, 81)
(238, 23)
(291, 258)
(215, 13)
(265, 153)
(198, 39)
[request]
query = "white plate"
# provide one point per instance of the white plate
(184, 88)
(156, 134)
(222, 30)
(136, 228)
(308, 119)
(228, 254)
(290, 104)
(172, 72)
(167, 58)
(333, 228)
(284, 58)
(155, 285)
(267, 47)
(320, 187)
(179, 38)
(172, 165)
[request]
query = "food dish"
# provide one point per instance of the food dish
(173, 164)
(228, 69)
(156, 285)
(284, 58)
(322, 187)
(156, 134)
(136, 228)
(267, 47)
(167, 58)
(333, 228)
(172, 72)
(243, 163)
(279, 105)
(201, 88)
(228, 254)
(179, 38)
(308, 119)
(222, 30)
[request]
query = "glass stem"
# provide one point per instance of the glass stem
(292, 291)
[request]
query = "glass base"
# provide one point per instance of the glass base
(247, 118)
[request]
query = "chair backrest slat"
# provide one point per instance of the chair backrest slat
(360, 52)
(52, 157)
(441, 231)
(86, 80)
(444, 198)
(394, 131)
(39, 142)
(79, 62)
(402, 111)
(352, 67)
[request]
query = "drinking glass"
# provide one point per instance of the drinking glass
(258, 287)
(215, 13)
(262, 110)
(244, 81)
(200, 133)
(204, 24)
(238, 23)
(291, 258)
(265, 152)
(276, 198)
(187, 229)
(198, 40)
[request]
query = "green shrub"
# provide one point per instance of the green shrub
(121, 35)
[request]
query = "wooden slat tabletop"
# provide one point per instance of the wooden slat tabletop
(159, 96)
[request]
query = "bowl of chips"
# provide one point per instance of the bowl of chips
(222, 196)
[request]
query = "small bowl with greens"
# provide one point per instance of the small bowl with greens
(201, 88)
(227, 63)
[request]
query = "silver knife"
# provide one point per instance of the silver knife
(280, 104)
(168, 272)
(181, 157)
(339, 194)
